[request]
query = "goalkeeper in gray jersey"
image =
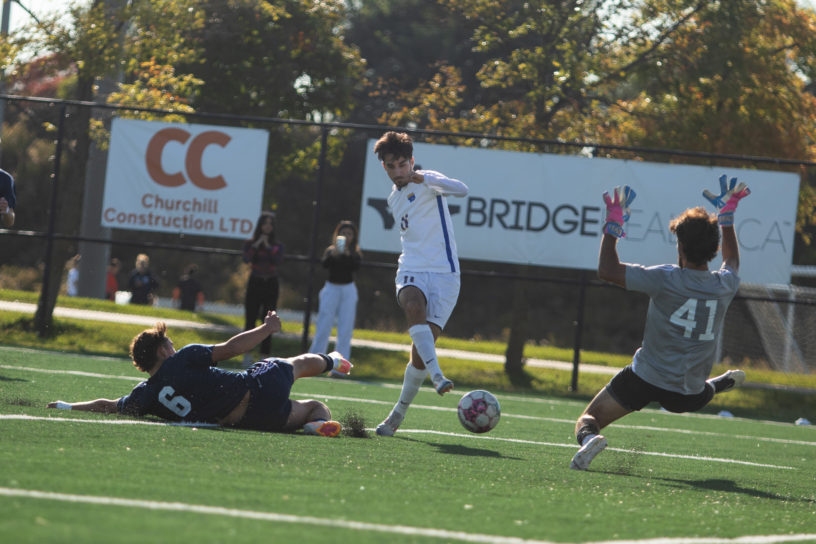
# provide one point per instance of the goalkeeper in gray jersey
(687, 308)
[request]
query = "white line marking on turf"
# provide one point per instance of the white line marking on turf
(73, 373)
(23, 417)
(365, 526)
(571, 421)
(553, 444)
(267, 516)
(444, 409)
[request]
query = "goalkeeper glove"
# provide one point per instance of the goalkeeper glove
(726, 202)
(617, 210)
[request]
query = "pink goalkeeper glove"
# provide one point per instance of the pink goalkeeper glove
(726, 202)
(617, 210)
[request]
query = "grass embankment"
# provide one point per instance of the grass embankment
(109, 338)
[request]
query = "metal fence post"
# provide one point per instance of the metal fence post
(321, 170)
(579, 330)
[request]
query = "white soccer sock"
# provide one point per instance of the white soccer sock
(410, 387)
(423, 339)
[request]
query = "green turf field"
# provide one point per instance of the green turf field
(72, 477)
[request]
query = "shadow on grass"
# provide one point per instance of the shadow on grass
(458, 449)
(7, 379)
(716, 484)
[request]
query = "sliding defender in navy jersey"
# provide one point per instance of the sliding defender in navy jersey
(186, 385)
(687, 306)
(427, 281)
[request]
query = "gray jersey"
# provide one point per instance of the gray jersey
(683, 323)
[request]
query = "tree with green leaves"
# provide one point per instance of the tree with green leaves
(98, 40)
(711, 76)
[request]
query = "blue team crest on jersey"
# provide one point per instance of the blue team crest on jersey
(411, 197)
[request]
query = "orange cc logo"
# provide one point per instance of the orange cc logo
(192, 161)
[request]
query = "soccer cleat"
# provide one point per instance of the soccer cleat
(442, 384)
(323, 428)
(390, 425)
(341, 365)
(584, 456)
(727, 381)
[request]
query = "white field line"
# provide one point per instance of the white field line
(443, 409)
(117, 421)
(365, 526)
(73, 373)
(572, 421)
(23, 417)
(571, 446)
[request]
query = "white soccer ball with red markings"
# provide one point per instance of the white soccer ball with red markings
(479, 411)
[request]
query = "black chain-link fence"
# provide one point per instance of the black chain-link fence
(314, 175)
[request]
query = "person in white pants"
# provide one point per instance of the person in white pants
(338, 297)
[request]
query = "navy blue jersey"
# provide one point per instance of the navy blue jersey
(7, 189)
(187, 388)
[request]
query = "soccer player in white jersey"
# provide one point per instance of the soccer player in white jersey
(686, 311)
(427, 281)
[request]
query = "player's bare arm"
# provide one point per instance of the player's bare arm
(103, 406)
(245, 341)
(730, 248)
(610, 268)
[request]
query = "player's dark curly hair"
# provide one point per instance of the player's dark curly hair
(398, 144)
(699, 233)
(144, 347)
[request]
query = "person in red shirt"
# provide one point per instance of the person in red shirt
(263, 253)
(111, 283)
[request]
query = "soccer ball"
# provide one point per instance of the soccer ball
(479, 411)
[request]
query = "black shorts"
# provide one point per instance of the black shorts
(270, 382)
(634, 393)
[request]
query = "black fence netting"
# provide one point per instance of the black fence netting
(313, 179)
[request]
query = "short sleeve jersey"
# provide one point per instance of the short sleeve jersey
(426, 231)
(187, 388)
(683, 322)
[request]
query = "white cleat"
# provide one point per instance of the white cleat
(442, 384)
(390, 425)
(728, 381)
(587, 453)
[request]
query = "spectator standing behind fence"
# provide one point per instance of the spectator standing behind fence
(338, 297)
(72, 283)
(111, 283)
(141, 282)
(263, 253)
(8, 200)
(187, 293)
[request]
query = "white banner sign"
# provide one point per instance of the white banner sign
(547, 210)
(185, 179)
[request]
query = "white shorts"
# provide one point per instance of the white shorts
(441, 291)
